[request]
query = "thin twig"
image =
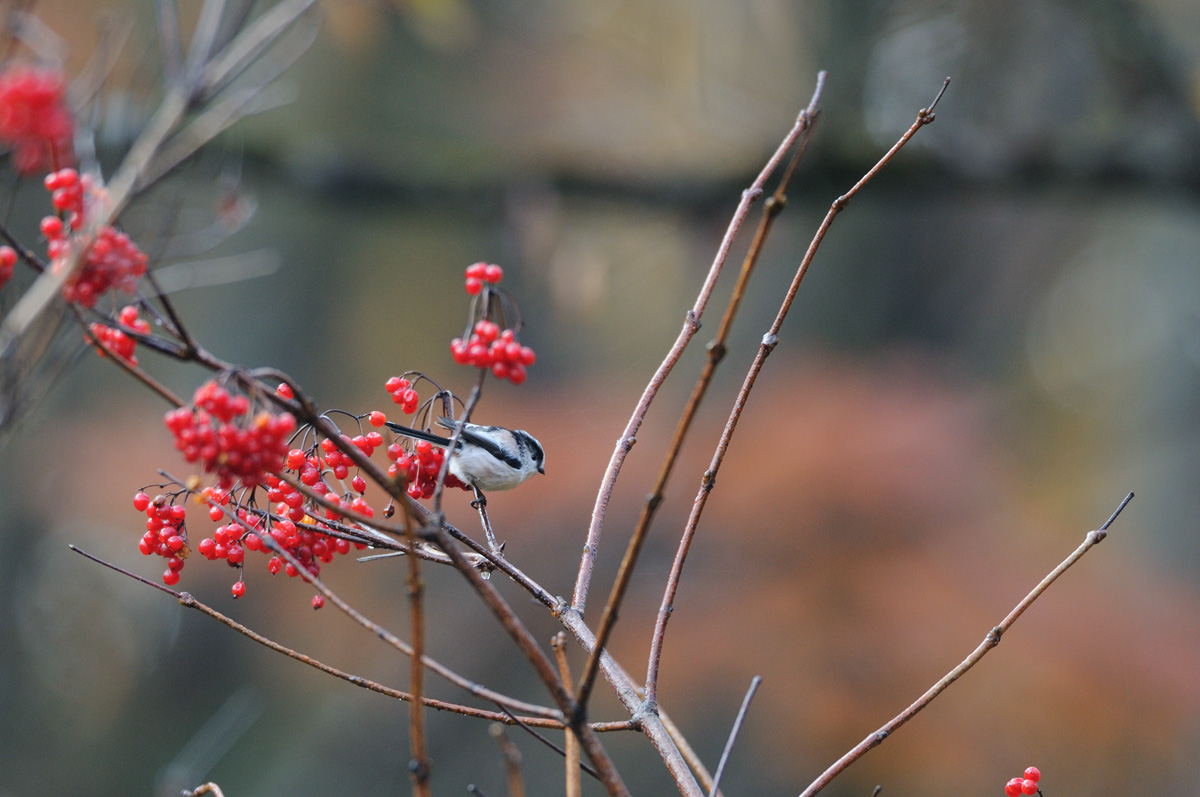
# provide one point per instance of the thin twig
(420, 766)
(571, 742)
(547, 743)
(512, 761)
(691, 325)
(125, 365)
(378, 630)
(716, 352)
(990, 641)
(733, 734)
(541, 664)
(186, 600)
(677, 762)
(770, 340)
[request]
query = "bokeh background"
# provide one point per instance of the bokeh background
(997, 341)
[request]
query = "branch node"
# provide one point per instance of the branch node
(993, 636)
(770, 341)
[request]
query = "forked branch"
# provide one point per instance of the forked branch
(770, 340)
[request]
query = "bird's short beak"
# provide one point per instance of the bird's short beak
(542, 469)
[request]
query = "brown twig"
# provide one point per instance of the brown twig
(551, 745)
(207, 788)
(378, 630)
(691, 325)
(574, 786)
(186, 600)
(716, 352)
(537, 658)
(990, 641)
(654, 726)
(512, 761)
(420, 766)
(770, 340)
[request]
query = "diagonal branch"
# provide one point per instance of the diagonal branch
(733, 734)
(990, 641)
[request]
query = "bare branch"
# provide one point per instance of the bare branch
(188, 601)
(769, 341)
(691, 325)
(990, 641)
(716, 352)
(574, 786)
(733, 734)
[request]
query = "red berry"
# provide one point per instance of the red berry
(1013, 787)
(285, 390)
(318, 601)
(476, 271)
(473, 286)
(275, 565)
(359, 484)
(376, 418)
(52, 227)
(516, 373)
(493, 273)
(1034, 774)
(171, 577)
(238, 589)
(141, 501)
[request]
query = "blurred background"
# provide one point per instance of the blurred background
(998, 339)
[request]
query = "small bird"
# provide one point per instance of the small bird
(488, 458)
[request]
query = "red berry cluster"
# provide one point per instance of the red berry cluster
(403, 394)
(492, 347)
(487, 345)
(479, 273)
(8, 261)
(1026, 785)
(420, 467)
(242, 450)
(112, 259)
(164, 535)
(34, 119)
(117, 342)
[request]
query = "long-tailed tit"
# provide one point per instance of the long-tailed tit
(488, 457)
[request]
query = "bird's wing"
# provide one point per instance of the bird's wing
(484, 442)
